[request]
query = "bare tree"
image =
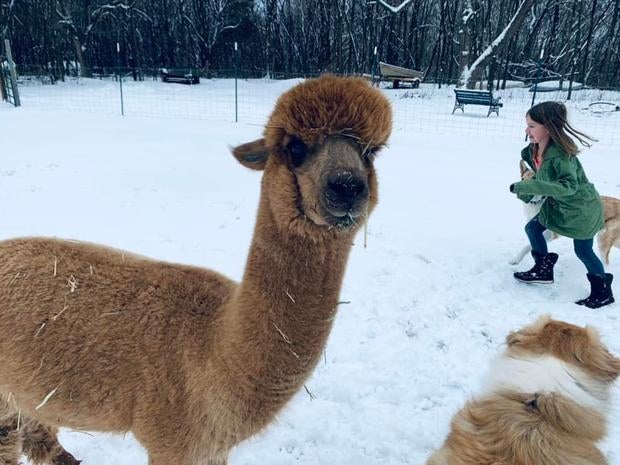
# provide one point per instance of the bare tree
(472, 73)
(450, 39)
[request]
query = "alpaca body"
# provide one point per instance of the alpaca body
(156, 332)
(189, 361)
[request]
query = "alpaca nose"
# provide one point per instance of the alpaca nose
(345, 192)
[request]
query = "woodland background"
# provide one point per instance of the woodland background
(452, 41)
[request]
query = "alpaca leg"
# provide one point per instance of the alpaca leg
(41, 446)
(167, 459)
(10, 442)
(164, 458)
(219, 461)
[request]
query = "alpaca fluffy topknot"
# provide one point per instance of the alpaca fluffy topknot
(330, 105)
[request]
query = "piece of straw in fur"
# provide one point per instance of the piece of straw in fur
(73, 283)
(312, 396)
(19, 412)
(47, 397)
(18, 275)
(284, 336)
(39, 330)
(55, 317)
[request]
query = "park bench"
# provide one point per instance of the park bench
(180, 75)
(398, 74)
(476, 97)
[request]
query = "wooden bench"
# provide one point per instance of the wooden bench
(398, 74)
(476, 97)
(180, 75)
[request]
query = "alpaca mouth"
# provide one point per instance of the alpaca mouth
(344, 220)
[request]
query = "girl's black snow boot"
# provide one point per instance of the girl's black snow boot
(600, 291)
(541, 272)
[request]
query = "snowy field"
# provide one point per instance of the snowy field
(431, 298)
(428, 109)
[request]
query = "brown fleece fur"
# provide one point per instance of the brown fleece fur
(189, 361)
(318, 108)
(535, 428)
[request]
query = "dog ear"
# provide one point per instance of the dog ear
(598, 358)
(528, 335)
(252, 155)
(526, 172)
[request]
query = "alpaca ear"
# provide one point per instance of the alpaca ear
(252, 155)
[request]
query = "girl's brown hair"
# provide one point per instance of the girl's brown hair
(553, 116)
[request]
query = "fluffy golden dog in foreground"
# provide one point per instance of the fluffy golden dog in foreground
(545, 402)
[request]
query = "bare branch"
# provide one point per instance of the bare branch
(394, 9)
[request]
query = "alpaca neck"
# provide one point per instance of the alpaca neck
(276, 325)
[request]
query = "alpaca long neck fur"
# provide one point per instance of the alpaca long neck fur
(277, 323)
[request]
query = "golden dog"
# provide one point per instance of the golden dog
(545, 402)
(607, 238)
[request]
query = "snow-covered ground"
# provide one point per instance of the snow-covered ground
(428, 109)
(431, 298)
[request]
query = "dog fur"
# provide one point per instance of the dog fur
(545, 402)
(607, 238)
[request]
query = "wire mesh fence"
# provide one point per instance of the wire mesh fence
(249, 96)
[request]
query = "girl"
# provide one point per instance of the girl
(571, 205)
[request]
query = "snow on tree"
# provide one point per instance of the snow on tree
(470, 74)
(395, 9)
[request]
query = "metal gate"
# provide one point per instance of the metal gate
(6, 82)
(8, 77)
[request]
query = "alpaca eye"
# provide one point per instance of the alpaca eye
(298, 151)
(370, 155)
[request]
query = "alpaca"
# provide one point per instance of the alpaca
(189, 361)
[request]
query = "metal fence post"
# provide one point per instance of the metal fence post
(374, 76)
(120, 77)
(236, 74)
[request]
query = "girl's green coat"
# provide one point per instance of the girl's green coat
(573, 207)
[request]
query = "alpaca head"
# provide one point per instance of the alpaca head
(318, 151)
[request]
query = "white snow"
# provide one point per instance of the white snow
(549, 86)
(431, 298)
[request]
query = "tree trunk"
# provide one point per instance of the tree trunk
(470, 75)
(576, 46)
(586, 52)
